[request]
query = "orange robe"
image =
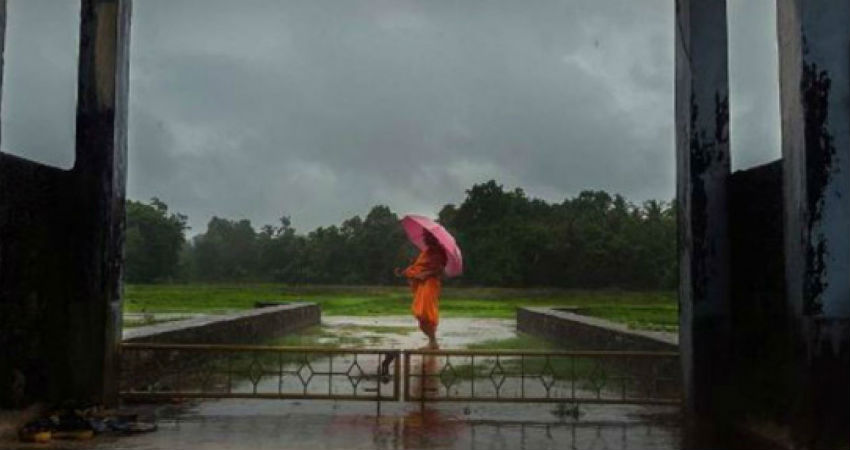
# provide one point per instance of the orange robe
(426, 293)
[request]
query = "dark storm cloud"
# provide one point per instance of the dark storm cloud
(320, 109)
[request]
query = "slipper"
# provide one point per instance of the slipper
(72, 426)
(40, 431)
(130, 426)
(76, 435)
(40, 437)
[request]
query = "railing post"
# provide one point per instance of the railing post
(406, 376)
(396, 379)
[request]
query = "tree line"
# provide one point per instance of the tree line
(592, 240)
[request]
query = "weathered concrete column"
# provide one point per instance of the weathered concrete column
(101, 173)
(814, 60)
(702, 164)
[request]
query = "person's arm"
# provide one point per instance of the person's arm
(428, 273)
(423, 268)
(425, 274)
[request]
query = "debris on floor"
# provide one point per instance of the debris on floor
(81, 422)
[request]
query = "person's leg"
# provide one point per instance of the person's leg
(432, 340)
(385, 365)
(430, 330)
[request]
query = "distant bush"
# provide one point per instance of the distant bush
(508, 239)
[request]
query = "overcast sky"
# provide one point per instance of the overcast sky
(319, 109)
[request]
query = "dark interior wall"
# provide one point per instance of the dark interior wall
(51, 322)
(36, 260)
(758, 308)
(757, 255)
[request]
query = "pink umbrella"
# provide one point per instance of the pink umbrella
(415, 227)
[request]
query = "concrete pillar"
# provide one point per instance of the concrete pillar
(702, 164)
(814, 65)
(101, 171)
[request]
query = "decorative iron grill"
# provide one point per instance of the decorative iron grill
(542, 377)
(167, 371)
(164, 371)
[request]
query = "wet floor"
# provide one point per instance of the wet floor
(335, 425)
(328, 424)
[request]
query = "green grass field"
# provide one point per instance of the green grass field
(653, 310)
(655, 317)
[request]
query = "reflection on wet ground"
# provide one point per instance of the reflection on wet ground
(329, 425)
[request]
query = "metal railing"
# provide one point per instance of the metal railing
(167, 371)
(542, 377)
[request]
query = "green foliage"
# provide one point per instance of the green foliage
(154, 239)
(591, 241)
(642, 308)
(521, 341)
(594, 240)
(227, 251)
(659, 317)
(357, 252)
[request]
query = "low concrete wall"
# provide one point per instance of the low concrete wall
(247, 327)
(578, 332)
(140, 369)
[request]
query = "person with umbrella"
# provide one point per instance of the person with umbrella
(439, 255)
(424, 278)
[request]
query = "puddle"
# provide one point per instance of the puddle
(401, 332)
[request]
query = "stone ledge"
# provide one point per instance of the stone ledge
(581, 332)
(251, 326)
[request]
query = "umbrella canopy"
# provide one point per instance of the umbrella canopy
(415, 227)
